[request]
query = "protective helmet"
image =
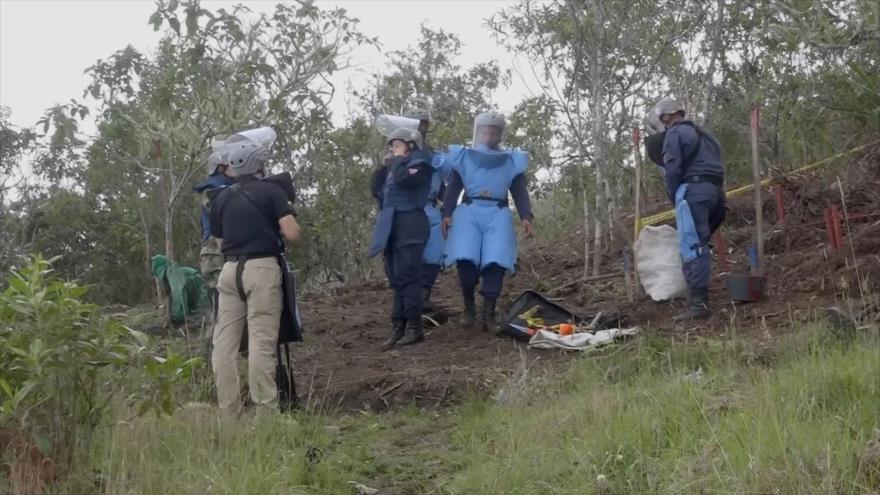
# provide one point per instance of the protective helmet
(652, 123)
(214, 161)
(246, 157)
(667, 106)
(491, 118)
(406, 135)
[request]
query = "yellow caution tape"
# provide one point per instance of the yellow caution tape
(739, 191)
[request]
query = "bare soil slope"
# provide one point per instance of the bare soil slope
(342, 366)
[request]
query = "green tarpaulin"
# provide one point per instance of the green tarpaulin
(185, 286)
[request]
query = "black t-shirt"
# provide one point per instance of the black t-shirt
(250, 229)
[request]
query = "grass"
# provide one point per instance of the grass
(719, 416)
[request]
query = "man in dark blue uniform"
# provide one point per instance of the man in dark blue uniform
(434, 251)
(691, 159)
(401, 233)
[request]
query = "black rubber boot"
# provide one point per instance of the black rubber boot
(701, 304)
(490, 323)
(413, 333)
(698, 306)
(469, 315)
(427, 306)
(398, 329)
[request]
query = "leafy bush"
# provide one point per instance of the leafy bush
(64, 364)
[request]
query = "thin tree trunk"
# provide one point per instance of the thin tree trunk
(611, 195)
(598, 160)
(169, 232)
(710, 71)
(586, 205)
(147, 252)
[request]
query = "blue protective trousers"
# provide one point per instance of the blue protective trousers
(482, 233)
(699, 211)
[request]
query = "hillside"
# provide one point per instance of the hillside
(341, 364)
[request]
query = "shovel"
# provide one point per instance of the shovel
(742, 287)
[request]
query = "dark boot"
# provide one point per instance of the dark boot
(469, 315)
(698, 306)
(398, 329)
(490, 323)
(413, 333)
(427, 306)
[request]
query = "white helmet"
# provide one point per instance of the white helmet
(668, 106)
(214, 161)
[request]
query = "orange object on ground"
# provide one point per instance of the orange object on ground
(566, 329)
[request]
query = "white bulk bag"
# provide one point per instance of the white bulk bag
(659, 263)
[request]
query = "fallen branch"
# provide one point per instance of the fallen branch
(585, 280)
(391, 389)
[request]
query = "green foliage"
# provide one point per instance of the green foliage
(718, 416)
(429, 69)
(108, 203)
(676, 419)
(63, 363)
(338, 216)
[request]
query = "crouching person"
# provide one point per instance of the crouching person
(251, 217)
(401, 233)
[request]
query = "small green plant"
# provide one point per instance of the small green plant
(64, 364)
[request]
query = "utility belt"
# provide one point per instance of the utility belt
(711, 179)
(500, 203)
(239, 269)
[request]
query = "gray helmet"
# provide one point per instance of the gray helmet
(245, 158)
(652, 123)
(406, 135)
(667, 106)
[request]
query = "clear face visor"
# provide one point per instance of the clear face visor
(419, 109)
(488, 135)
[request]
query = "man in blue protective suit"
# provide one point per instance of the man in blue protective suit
(401, 233)
(691, 159)
(480, 234)
(211, 256)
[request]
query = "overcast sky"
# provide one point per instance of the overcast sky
(46, 44)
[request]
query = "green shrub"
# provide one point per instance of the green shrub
(64, 364)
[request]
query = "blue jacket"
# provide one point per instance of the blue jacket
(214, 182)
(408, 182)
(682, 141)
(406, 191)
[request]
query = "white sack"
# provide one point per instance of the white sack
(659, 263)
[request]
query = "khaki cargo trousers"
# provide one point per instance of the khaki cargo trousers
(262, 312)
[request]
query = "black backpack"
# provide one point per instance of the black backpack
(654, 145)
